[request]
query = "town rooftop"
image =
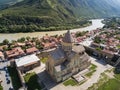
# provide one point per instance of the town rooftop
(26, 60)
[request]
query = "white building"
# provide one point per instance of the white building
(27, 63)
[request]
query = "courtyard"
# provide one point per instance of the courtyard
(98, 65)
(101, 67)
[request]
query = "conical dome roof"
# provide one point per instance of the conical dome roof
(68, 37)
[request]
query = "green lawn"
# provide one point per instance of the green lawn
(93, 67)
(103, 78)
(90, 73)
(105, 83)
(112, 84)
(14, 77)
(117, 76)
(31, 80)
(1, 88)
(71, 82)
(44, 60)
(92, 70)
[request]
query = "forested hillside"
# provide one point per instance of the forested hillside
(7, 3)
(40, 15)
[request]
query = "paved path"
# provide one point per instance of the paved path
(101, 67)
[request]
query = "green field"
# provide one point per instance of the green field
(111, 84)
(107, 83)
(44, 60)
(90, 73)
(71, 82)
(92, 70)
(1, 88)
(93, 67)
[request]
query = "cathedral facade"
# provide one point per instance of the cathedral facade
(67, 60)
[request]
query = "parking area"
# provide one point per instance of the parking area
(4, 76)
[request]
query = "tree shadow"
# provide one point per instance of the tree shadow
(117, 70)
(32, 83)
(46, 81)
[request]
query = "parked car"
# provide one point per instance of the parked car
(5, 68)
(8, 81)
(11, 88)
(7, 75)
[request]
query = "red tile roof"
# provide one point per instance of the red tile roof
(14, 52)
(108, 51)
(49, 45)
(31, 50)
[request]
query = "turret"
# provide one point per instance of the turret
(68, 42)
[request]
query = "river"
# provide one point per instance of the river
(96, 23)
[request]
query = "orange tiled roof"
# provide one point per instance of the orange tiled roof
(108, 51)
(14, 52)
(31, 50)
(49, 45)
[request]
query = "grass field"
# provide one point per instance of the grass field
(111, 84)
(90, 73)
(1, 88)
(107, 83)
(92, 70)
(93, 67)
(117, 76)
(71, 82)
(44, 60)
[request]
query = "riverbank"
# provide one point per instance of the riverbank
(96, 23)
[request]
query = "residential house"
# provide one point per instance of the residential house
(15, 52)
(31, 50)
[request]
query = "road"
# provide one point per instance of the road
(87, 42)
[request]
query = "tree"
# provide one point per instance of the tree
(28, 38)
(97, 40)
(21, 39)
(5, 42)
(13, 42)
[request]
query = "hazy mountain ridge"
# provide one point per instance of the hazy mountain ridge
(37, 15)
(7, 3)
(79, 8)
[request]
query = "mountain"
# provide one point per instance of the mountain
(58, 13)
(79, 8)
(6, 3)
